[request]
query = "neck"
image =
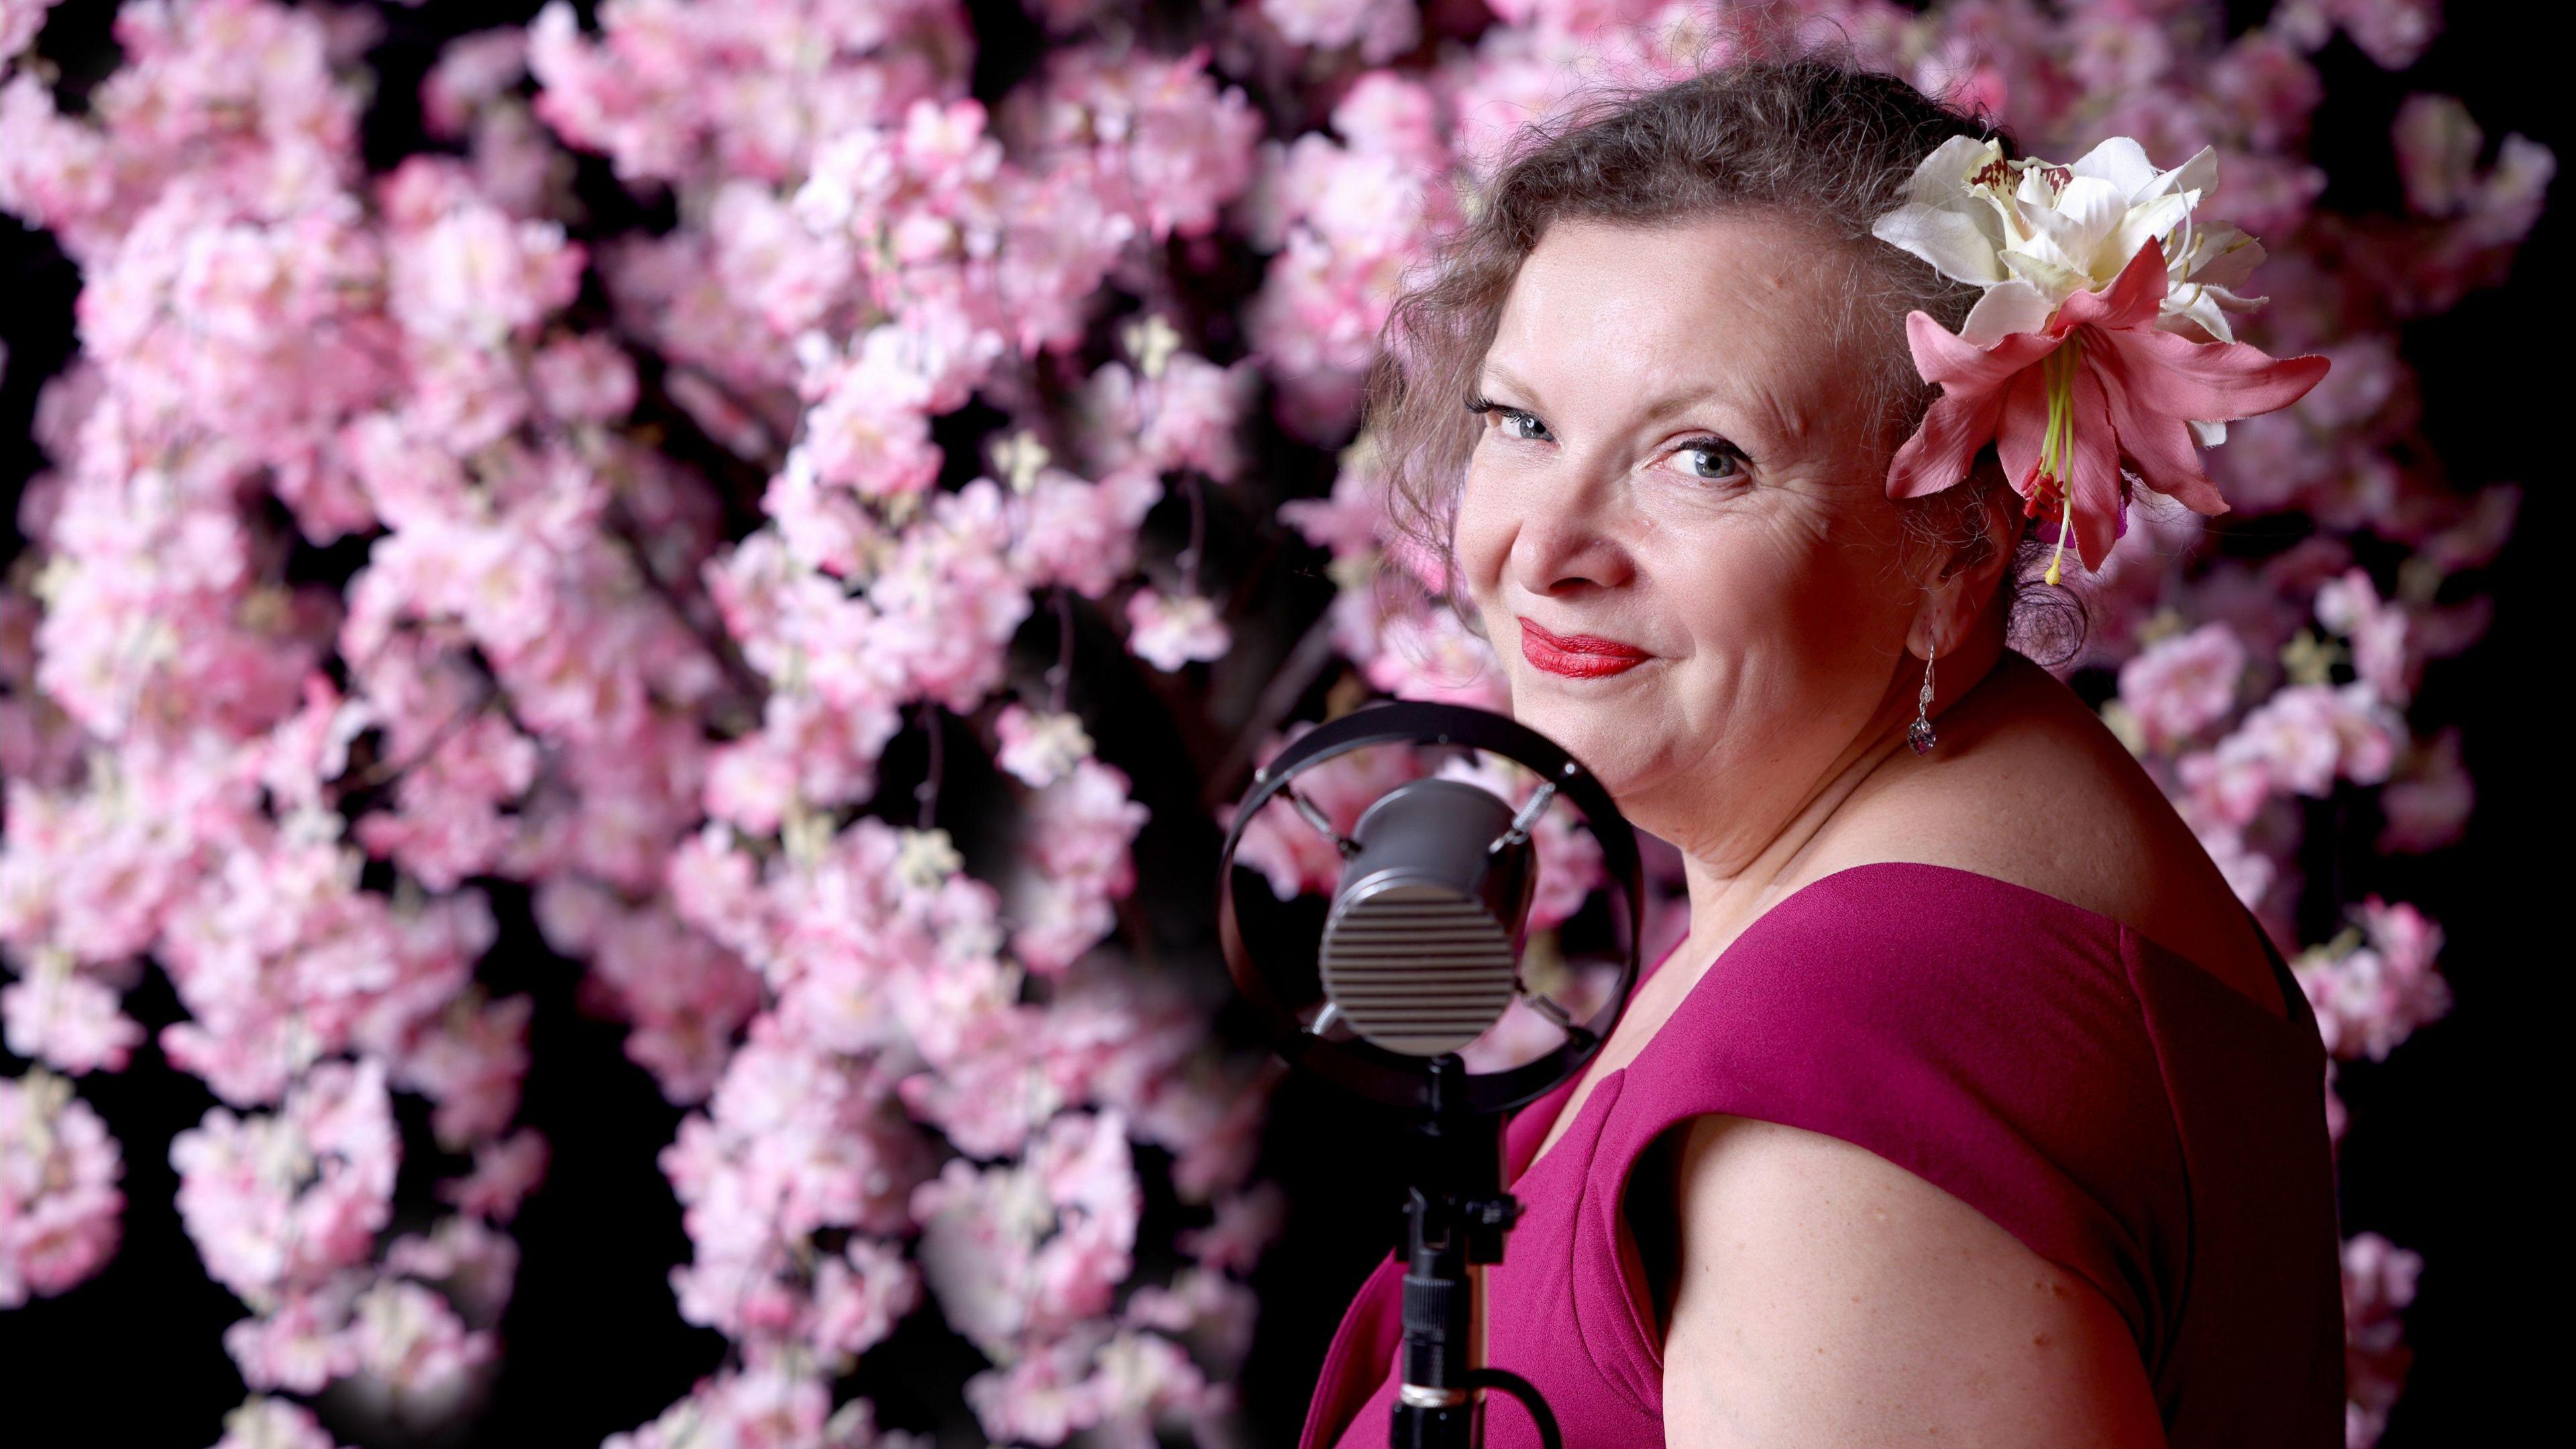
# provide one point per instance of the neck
(1738, 875)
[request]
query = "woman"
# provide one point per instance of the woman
(1973, 1109)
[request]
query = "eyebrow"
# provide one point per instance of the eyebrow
(1661, 408)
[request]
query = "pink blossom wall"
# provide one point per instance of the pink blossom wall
(704, 500)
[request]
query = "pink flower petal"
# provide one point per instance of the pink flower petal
(2130, 301)
(2024, 428)
(1943, 449)
(1957, 364)
(2158, 443)
(1974, 382)
(2095, 483)
(2211, 381)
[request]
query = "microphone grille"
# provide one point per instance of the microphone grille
(1418, 967)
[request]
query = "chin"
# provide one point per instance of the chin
(1603, 735)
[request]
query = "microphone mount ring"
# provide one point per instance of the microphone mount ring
(1531, 809)
(1362, 1066)
(1547, 1006)
(1313, 814)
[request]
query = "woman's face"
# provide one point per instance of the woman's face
(1675, 521)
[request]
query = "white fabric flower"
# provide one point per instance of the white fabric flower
(2033, 233)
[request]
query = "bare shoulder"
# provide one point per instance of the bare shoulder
(2029, 787)
(1826, 1295)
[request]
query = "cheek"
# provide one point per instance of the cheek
(1786, 604)
(1480, 533)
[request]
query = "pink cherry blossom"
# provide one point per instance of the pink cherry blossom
(1169, 631)
(1145, 1381)
(1346, 222)
(863, 438)
(505, 1172)
(795, 1141)
(2378, 1284)
(1039, 748)
(1074, 841)
(2391, 32)
(1042, 1397)
(58, 1174)
(19, 22)
(806, 755)
(281, 959)
(2294, 738)
(279, 1202)
(1119, 1385)
(1080, 534)
(1244, 1225)
(2368, 733)
(1032, 1250)
(447, 823)
(265, 1423)
(471, 72)
(1209, 1312)
(412, 1350)
(303, 1340)
(2428, 799)
(2351, 607)
(1350, 522)
(469, 1061)
(685, 996)
(2179, 685)
(473, 1263)
(583, 380)
(1430, 653)
(2380, 985)
(946, 601)
(471, 275)
(2249, 873)
(1182, 147)
(1378, 30)
(770, 1406)
(1387, 113)
(67, 1018)
(1191, 419)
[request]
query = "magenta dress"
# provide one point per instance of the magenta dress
(2121, 1111)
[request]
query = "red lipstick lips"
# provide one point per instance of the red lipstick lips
(1577, 656)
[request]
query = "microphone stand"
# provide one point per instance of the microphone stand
(1457, 1212)
(1455, 1217)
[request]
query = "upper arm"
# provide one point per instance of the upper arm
(1827, 1297)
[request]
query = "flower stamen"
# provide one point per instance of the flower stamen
(2065, 525)
(2055, 468)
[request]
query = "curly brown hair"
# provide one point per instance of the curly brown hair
(1814, 140)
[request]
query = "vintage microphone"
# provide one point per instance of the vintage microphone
(1420, 953)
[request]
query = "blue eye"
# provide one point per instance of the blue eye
(1711, 460)
(1515, 423)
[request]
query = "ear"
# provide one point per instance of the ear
(1963, 567)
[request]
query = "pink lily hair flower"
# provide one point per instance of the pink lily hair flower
(2074, 383)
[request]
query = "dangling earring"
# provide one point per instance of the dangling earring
(1919, 734)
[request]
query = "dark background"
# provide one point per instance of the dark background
(2444, 1154)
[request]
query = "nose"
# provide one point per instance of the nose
(1567, 543)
